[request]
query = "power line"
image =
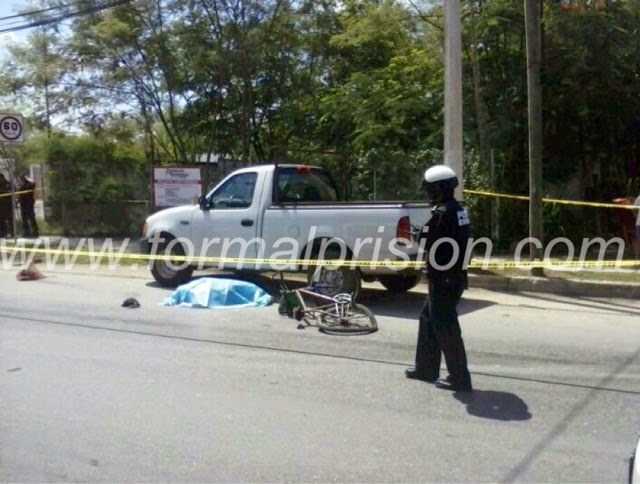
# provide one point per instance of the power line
(66, 16)
(37, 12)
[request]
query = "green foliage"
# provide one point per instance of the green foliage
(90, 180)
(356, 86)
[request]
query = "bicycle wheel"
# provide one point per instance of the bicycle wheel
(359, 320)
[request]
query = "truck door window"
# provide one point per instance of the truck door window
(236, 192)
(302, 184)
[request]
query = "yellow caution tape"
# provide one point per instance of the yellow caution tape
(16, 193)
(554, 200)
(479, 264)
(473, 264)
(218, 260)
(473, 192)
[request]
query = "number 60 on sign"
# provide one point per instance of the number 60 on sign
(11, 128)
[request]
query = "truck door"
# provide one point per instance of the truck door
(226, 225)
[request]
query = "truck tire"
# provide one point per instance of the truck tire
(335, 280)
(164, 274)
(399, 283)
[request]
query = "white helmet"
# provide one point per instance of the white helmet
(439, 182)
(439, 173)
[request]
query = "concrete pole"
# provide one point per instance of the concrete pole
(534, 55)
(453, 92)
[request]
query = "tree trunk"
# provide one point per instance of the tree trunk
(481, 108)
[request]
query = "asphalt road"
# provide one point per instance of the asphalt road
(93, 392)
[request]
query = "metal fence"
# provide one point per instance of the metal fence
(98, 218)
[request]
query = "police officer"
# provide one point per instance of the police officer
(27, 207)
(6, 207)
(445, 239)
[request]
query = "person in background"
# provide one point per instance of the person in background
(6, 208)
(27, 207)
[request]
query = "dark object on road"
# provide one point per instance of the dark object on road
(289, 302)
(31, 273)
(131, 302)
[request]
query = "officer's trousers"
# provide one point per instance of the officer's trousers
(29, 224)
(439, 333)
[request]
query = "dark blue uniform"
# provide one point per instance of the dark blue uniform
(27, 208)
(6, 208)
(439, 330)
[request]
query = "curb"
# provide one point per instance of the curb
(565, 287)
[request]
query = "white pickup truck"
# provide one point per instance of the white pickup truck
(288, 213)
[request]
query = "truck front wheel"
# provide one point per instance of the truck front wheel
(169, 273)
(399, 283)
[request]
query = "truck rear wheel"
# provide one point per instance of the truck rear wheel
(399, 283)
(334, 280)
(165, 272)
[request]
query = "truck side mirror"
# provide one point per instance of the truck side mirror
(202, 202)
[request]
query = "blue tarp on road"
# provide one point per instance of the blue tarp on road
(213, 292)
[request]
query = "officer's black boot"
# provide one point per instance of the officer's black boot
(415, 374)
(452, 345)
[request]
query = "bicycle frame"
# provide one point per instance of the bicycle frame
(337, 306)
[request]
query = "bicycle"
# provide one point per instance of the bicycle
(333, 315)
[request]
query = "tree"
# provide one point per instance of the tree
(35, 77)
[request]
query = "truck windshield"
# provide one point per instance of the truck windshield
(305, 184)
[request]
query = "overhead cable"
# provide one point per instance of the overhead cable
(60, 18)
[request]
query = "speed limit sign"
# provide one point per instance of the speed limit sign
(11, 128)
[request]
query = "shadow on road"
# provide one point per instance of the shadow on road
(155, 285)
(408, 305)
(494, 405)
(380, 301)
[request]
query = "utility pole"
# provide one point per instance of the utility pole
(46, 82)
(453, 92)
(534, 48)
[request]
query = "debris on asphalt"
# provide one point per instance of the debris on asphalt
(31, 273)
(130, 302)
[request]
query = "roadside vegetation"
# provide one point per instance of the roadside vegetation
(355, 86)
